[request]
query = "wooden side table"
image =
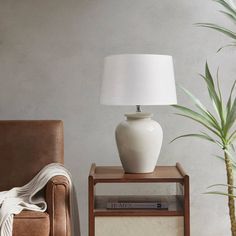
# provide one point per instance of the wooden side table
(135, 222)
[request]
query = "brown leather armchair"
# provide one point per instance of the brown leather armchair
(25, 148)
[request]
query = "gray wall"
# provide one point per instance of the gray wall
(51, 57)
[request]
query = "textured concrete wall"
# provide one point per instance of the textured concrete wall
(51, 57)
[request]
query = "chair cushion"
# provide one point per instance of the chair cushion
(31, 223)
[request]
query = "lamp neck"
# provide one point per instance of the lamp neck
(138, 108)
(138, 116)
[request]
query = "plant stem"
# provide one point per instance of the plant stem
(231, 203)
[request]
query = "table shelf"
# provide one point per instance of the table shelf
(175, 206)
(116, 174)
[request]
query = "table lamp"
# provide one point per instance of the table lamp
(138, 79)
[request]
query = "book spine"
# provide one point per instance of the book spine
(132, 205)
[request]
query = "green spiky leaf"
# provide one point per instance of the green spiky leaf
(232, 137)
(226, 46)
(217, 102)
(201, 136)
(229, 102)
(221, 185)
(220, 193)
(230, 16)
(221, 29)
(231, 117)
(230, 12)
(229, 7)
(186, 112)
(207, 114)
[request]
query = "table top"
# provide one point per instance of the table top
(111, 174)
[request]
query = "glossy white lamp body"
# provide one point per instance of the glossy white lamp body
(139, 140)
(138, 79)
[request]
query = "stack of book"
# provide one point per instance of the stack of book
(137, 204)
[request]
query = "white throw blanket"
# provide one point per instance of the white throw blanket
(28, 197)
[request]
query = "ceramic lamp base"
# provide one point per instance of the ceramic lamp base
(139, 140)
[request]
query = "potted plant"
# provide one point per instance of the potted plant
(220, 124)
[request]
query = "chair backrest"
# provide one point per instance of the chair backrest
(26, 147)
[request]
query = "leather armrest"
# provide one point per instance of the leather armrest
(58, 201)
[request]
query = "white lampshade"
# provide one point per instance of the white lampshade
(138, 79)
